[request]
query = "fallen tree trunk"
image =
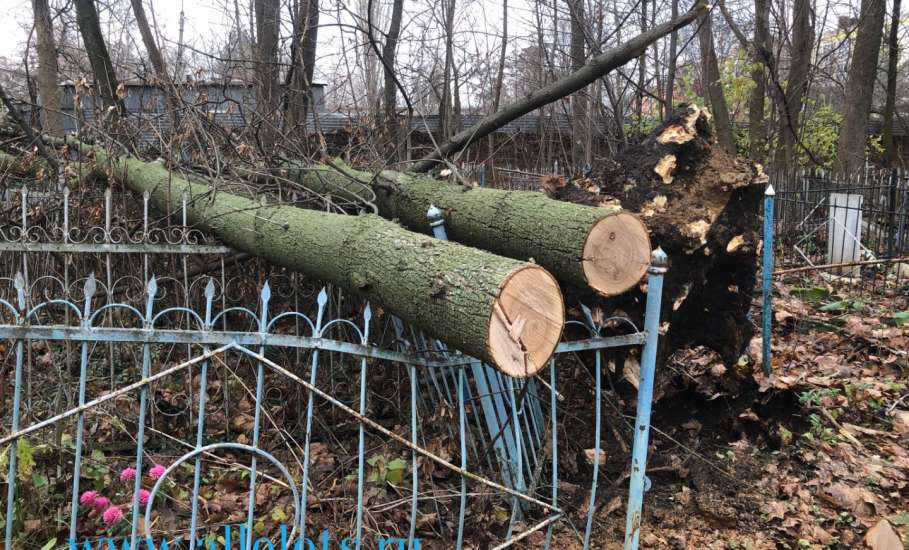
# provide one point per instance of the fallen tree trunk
(701, 206)
(605, 249)
(504, 311)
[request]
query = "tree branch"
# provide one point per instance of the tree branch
(594, 69)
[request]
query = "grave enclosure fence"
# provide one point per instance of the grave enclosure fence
(130, 338)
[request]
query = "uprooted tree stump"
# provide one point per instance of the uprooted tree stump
(701, 206)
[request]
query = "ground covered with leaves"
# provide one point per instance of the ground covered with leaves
(812, 456)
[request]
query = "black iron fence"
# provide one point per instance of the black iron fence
(847, 230)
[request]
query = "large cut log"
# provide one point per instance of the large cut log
(606, 249)
(501, 310)
(701, 205)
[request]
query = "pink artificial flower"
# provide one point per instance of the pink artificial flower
(157, 471)
(100, 504)
(143, 497)
(88, 498)
(112, 515)
(128, 474)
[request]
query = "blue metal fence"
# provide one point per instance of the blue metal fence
(501, 424)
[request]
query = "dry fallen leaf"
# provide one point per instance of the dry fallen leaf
(883, 537)
(632, 371)
(589, 454)
(901, 421)
(858, 502)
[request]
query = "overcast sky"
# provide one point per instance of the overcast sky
(207, 19)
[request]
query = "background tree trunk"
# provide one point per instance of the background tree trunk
(892, 70)
(445, 104)
(267, 17)
(710, 73)
(302, 69)
(579, 123)
(757, 130)
(850, 150)
(797, 82)
(668, 104)
(48, 69)
(389, 51)
(148, 39)
(98, 56)
(642, 73)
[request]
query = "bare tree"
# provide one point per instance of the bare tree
(797, 82)
(267, 17)
(673, 64)
(893, 45)
(503, 51)
(445, 105)
(757, 131)
(148, 39)
(710, 72)
(48, 69)
(303, 55)
(389, 51)
(598, 66)
(860, 87)
(98, 55)
(580, 151)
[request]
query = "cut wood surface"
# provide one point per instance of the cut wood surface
(498, 309)
(605, 249)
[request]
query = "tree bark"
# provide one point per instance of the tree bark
(148, 39)
(597, 67)
(507, 312)
(757, 130)
(445, 104)
(48, 69)
(701, 206)
(604, 249)
(669, 104)
(389, 51)
(98, 56)
(892, 72)
(797, 83)
(642, 73)
(579, 122)
(267, 17)
(710, 73)
(500, 73)
(302, 69)
(860, 88)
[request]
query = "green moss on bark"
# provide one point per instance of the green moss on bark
(445, 288)
(519, 224)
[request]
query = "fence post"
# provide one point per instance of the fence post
(891, 217)
(657, 270)
(436, 220)
(766, 278)
(12, 475)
